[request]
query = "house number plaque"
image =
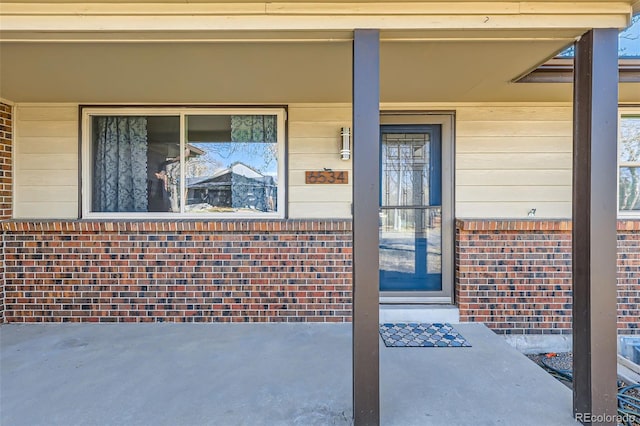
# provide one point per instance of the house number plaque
(329, 177)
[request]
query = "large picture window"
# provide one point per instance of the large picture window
(629, 164)
(187, 162)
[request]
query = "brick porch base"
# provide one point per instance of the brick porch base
(245, 271)
(515, 275)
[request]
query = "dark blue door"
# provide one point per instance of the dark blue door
(410, 208)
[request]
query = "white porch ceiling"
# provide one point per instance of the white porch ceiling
(218, 52)
(275, 72)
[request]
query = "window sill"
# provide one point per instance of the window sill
(180, 216)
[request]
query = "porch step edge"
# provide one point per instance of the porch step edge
(540, 343)
(419, 313)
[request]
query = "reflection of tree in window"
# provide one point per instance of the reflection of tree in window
(218, 155)
(238, 165)
(405, 176)
(629, 186)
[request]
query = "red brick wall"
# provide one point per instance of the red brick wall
(629, 276)
(178, 271)
(6, 181)
(515, 276)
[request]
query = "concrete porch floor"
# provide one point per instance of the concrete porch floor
(260, 374)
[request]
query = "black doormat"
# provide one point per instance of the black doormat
(415, 335)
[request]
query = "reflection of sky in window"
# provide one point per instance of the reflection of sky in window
(262, 157)
(629, 42)
(630, 139)
(629, 151)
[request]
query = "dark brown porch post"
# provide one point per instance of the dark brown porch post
(366, 183)
(595, 116)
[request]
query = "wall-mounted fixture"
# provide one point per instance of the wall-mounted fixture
(345, 152)
(532, 213)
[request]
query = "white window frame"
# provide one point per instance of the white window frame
(181, 112)
(622, 113)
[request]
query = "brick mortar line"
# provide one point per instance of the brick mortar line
(181, 226)
(531, 225)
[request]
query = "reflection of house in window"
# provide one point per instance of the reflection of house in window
(236, 187)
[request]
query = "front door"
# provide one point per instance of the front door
(411, 210)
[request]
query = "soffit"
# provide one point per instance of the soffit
(170, 52)
(270, 73)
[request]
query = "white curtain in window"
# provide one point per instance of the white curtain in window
(120, 164)
(253, 128)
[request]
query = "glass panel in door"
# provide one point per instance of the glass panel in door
(410, 209)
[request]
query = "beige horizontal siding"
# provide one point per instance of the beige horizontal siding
(318, 161)
(528, 193)
(54, 178)
(314, 144)
(510, 160)
(60, 113)
(513, 161)
(519, 144)
(515, 113)
(536, 178)
(38, 193)
(36, 164)
(48, 127)
(327, 129)
(307, 146)
(510, 209)
(321, 192)
(315, 114)
(514, 128)
(55, 210)
(47, 145)
(46, 161)
(320, 210)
